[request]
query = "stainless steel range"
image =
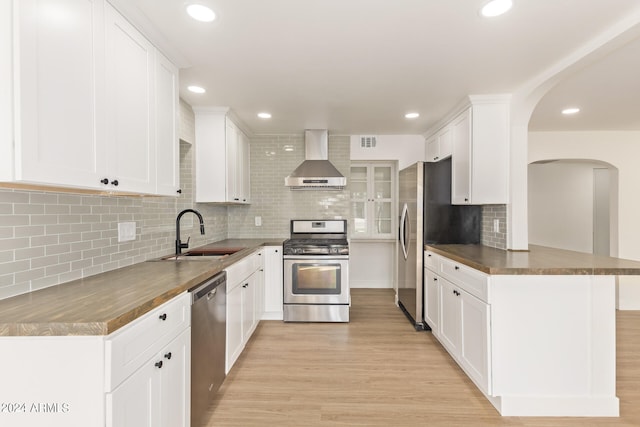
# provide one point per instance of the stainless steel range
(316, 272)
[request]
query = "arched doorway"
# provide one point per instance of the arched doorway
(573, 205)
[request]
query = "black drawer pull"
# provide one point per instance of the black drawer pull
(168, 356)
(159, 364)
(457, 268)
(163, 316)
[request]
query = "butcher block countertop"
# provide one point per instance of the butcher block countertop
(101, 304)
(538, 260)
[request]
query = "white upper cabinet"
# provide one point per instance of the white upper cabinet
(130, 60)
(93, 104)
(222, 158)
(480, 159)
(168, 147)
(440, 145)
(59, 85)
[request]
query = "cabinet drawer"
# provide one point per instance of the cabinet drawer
(130, 347)
(469, 279)
(431, 261)
(239, 271)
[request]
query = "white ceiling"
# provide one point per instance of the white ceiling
(357, 66)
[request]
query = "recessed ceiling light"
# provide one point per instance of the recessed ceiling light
(196, 89)
(496, 8)
(412, 115)
(569, 111)
(264, 115)
(201, 13)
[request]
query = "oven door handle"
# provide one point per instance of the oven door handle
(316, 257)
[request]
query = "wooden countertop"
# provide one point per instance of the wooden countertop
(101, 304)
(539, 260)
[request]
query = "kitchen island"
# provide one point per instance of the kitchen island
(111, 349)
(534, 330)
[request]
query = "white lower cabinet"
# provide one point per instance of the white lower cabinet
(157, 394)
(474, 340)
(458, 319)
(273, 283)
(245, 287)
(432, 301)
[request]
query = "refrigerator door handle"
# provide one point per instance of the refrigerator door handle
(405, 231)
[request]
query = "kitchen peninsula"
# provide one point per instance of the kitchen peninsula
(534, 330)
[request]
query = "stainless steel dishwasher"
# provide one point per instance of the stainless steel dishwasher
(208, 341)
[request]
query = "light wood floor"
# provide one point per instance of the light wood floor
(377, 371)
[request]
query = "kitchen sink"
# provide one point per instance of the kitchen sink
(201, 255)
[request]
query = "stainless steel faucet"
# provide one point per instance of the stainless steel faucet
(179, 245)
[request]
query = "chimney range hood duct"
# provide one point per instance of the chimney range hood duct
(316, 172)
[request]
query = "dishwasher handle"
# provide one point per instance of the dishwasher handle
(208, 288)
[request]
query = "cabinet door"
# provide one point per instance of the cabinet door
(234, 326)
(130, 62)
(231, 138)
(59, 125)
(136, 402)
(249, 307)
(450, 309)
(461, 160)
(244, 167)
(432, 301)
(273, 309)
(167, 145)
(431, 146)
(175, 381)
(445, 143)
(359, 199)
(382, 202)
(260, 279)
(474, 349)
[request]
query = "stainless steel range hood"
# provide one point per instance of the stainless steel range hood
(316, 172)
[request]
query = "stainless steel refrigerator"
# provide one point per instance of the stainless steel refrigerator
(427, 216)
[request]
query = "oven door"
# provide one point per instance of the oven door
(316, 279)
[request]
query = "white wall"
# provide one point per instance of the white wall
(406, 149)
(561, 205)
(620, 149)
(371, 264)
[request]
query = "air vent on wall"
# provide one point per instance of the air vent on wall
(367, 141)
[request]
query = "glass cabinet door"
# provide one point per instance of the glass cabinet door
(372, 200)
(359, 199)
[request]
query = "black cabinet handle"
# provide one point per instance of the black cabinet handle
(159, 364)
(179, 191)
(168, 356)
(457, 268)
(429, 255)
(105, 181)
(435, 279)
(163, 316)
(115, 182)
(466, 200)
